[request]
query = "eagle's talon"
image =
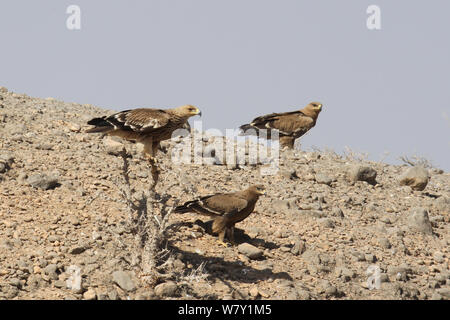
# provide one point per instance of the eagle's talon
(220, 242)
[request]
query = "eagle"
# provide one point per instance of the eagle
(227, 209)
(290, 125)
(145, 125)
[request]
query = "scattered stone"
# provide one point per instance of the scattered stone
(288, 174)
(74, 281)
(254, 292)
(370, 258)
(11, 292)
(74, 127)
(444, 292)
(443, 205)
(123, 280)
(418, 220)
(327, 223)
(59, 284)
(323, 179)
(282, 206)
(384, 243)
(50, 270)
(303, 294)
(344, 273)
(113, 295)
(250, 251)
(263, 293)
(52, 238)
(362, 173)
(439, 257)
(15, 282)
(79, 249)
(358, 255)
(337, 212)
(299, 247)
(166, 289)
(43, 181)
(73, 220)
(332, 291)
(44, 146)
(436, 296)
(6, 160)
(415, 177)
(113, 147)
(90, 294)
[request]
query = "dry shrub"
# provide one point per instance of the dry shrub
(148, 215)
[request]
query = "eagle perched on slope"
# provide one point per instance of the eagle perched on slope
(290, 125)
(227, 209)
(145, 125)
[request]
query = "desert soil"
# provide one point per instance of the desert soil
(321, 232)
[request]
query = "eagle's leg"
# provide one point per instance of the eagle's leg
(150, 149)
(231, 235)
(221, 238)
(287, 141)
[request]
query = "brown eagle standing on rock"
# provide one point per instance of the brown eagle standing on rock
(290, 125)
(227, 209)
(145, 125)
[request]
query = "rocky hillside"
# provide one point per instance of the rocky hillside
(330, 227)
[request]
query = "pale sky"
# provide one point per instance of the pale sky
(383, 91)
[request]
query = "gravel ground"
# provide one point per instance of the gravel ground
(330, 227)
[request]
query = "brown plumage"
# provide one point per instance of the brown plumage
(227, 209)
(290, 125)
(145, 125)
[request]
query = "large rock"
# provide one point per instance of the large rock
(362, 173)
(416, 177)
(90, 294)
(418, 220)
(43, 181)
(166, 289)
(323, 179)
(250, 251)
(283, 206)
(445, 292)
(442, 204)
(73, 282)
(112, 146)
(3, 167)
(6, 160)
(123, 280)
(51, 271)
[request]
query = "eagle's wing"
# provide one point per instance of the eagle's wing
(215, 205)
(140, 120)
(287, 123)
(292, 124)
(136, 120)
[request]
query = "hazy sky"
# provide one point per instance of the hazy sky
(383, 90)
